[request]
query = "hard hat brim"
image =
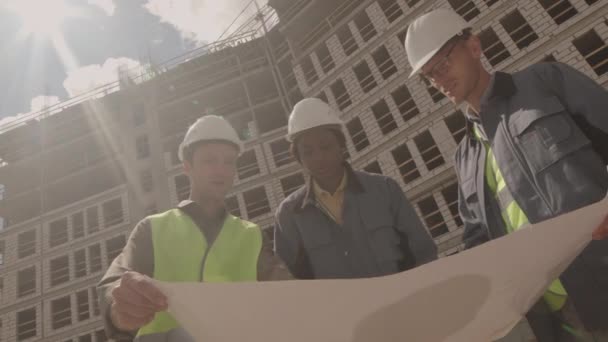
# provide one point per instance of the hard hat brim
(182, 146)
(431, 32)
(292, 137)
(416, 70)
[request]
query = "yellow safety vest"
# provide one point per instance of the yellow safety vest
(180, 249)
(515, 218)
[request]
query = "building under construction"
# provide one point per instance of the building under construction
(76, 177)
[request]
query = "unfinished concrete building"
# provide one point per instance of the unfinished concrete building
(76, 178)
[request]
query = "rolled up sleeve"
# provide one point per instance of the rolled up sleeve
(137, 256)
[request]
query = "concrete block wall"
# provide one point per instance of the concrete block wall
(44, 292)
(432, 113)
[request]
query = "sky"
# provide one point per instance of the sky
(51, 50)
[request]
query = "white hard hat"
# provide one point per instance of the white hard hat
(310, 113)
(428, 33)
(210, 127)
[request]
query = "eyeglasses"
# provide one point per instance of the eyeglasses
(440, 68)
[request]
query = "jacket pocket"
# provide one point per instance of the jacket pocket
(546, 134)
(469, 192)
(316, 236)
(385, 243)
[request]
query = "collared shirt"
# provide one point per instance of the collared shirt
(381, 233)
(473, 116)
(332, 203)
(138, 256)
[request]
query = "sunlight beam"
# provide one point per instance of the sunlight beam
(40, 18)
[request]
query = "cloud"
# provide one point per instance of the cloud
(200, 20)
(77, 82)
(95, 75)
(6, 121)
(42, 101)
(107, 6)
(37, 103)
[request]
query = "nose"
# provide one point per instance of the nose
(318, 159)
(219, 170)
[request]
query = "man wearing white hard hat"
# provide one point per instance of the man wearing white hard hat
(197, 241)
(536, 147)
(343, 223)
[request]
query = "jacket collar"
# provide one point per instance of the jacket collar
(195, 211)
(307, 198)
(501, 86)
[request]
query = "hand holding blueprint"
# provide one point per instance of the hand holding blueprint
(477, 295)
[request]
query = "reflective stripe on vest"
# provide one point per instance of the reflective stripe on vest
(180, 249)
(514, 217)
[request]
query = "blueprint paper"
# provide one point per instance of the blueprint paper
(476, 295)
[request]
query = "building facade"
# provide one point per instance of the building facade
(75, 179)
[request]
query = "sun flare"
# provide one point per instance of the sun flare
(40, 18)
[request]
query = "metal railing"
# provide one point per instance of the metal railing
(359, 139)
(523, 35)
(60, 270)
(467, 10)
(95, 264)
(328, 23)
(248, 170)
(386, 67)
(392, 12)
(496, 50)
(386, 121)
(25, 247)
(80, 263)
(282, 158)
(82, 305)
(294, 9)
(597, 66)
(368, 31)
(327, 63)
(61, 318)
(136, 75)
(342, 100)
(257, 208)
(560, 15)
(368, 82)
(26, 329)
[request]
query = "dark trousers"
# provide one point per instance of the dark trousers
(561, 326)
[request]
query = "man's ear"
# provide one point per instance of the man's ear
(473, 44)
(345, 153)
(187, 167)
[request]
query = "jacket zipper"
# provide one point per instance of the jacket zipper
(326, 212)
(523, 165)
(328, 215)
(202, 267)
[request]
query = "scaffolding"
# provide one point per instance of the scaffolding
(251, 29)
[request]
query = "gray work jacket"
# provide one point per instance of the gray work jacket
(381, 233)
(548, 129)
